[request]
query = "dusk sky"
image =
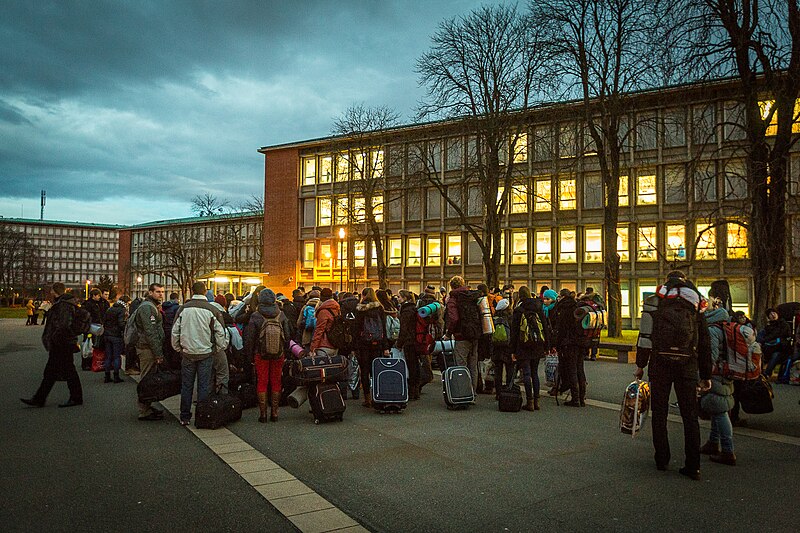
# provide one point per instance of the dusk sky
(123, 111)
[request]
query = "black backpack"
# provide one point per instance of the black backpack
(675, 330)
(340, 332)
(469, 318)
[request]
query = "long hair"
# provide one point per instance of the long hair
(524, 292)
(383, 298)
(408, 296)
(368, 295)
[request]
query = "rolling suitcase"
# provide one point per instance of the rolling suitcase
(510, 399)
(159, 384)
(217, 410)
(457, 387)
(389, 384)
(326, 402)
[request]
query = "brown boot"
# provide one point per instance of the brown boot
(536, 404)
(710, 448)
(529, 406)
(275, 400)
(725, 458)
(367, 399)
(262, 407)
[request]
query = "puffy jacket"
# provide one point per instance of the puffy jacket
(719, 399)
(198, 330)
(65, 321)
(250, 334)
(567, 330)
(373, 310)
(149, 326)
(451, 311)
(96, 308)
(325, 313)
(114, 322)
(775, 332)
(170, 308)
(529, 306)
(408, 326)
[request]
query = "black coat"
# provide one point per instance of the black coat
(114, 321)
(97, 309)
(65, 321)
(408, 326)
(529, 307)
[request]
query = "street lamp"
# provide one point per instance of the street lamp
(138, 285)
(341, 258)
(88, 282)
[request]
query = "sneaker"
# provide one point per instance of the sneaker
(184, 422)
(159, 412)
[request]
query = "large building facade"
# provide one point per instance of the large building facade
(179, 251)
(75, 253)
(683, 195)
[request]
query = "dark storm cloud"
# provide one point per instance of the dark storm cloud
(163, 100)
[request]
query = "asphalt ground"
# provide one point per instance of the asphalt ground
(427, 469)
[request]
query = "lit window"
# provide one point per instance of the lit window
(454, 249)
(769, 115)
(646, 189)
(676, 242)
(377, 208)
(359, 211)
(357, 162)
(376, 161)
(544, 247)
(625, 297)
(566, 194)
(324, 211)
(309, 170)
(623, 248)
(342, 167)
(433, 256)
(737, 241)
(646, 247)
(325, 255)
(593, 245)
(519, 199)
(707, 242)
(325, 169)
(395, 252)
(520, 148)
(544, 195)
(519, 247)
(359, 253)
(568, 247)
(413, 251)
(341, 210)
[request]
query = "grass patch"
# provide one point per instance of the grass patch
(13, 312)
(629, 336)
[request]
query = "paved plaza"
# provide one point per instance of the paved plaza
(96, 468)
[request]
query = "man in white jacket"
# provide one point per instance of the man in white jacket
(197, 333)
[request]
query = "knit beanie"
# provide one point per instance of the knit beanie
(550, 294)
(266, 297)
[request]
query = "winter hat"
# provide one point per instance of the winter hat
(266, 297)
(502, 304)
(550, 294)
(326, 294)
(313, 294)
(430, 289)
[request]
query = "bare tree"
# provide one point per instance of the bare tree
(253, 204)
(22, 266)
(483, 68)
(604, 50)
(757, 42)
(207, 204)
(361, 134)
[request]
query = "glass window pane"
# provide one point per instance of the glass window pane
(674, 127)
(646, 247)
(543, 195)
(567, 246)
(396, 155)
(542, 143)
(359, 254)
(456, 195)
(544, 246)
(704, 122)
(519, 199)
(623, 244)
(341, 210)
(434, 251)
(377, 208)
(433, 208)
(413, 251)
(309, 213)
(705, 183)
(566, 140)
(674, 184)
(309, 170)
(395, 249)
(566, 194)
(735, 177)
(520, 149)
(474, 254)
(357, 161)
(325, 255)
(342, 166)
(646, 188)
(734, 121)
(308, 254)
(324, 211)
(737, 241)
(394, 206)
(376, 164)
(519, 247)
(676, 242)
(475, 202)
(455, 150)
(454, 249)
(646, 131)
(325, 169)
(413, 205)
(707, 242)
(593, 245)
(592, 191)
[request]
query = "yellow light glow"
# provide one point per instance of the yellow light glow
(341, 233)
(221, 279)
(252, 281)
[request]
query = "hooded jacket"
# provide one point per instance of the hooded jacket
(326, 311)
(408, 326)
(253, 328)
(719, 399)
(374, 310)
(305, 336)
(452, 315)
(114, 322)
(65, 321)
(199, 330)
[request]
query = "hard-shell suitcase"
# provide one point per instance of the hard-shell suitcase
(217, 410)
(457, 387)
(159, 384)
(510, 399)
(320, 369)
(389, 384)
(326, 402)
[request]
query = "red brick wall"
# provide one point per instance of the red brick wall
(124, 268)
(281, 231)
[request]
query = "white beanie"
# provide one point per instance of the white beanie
(502, 304)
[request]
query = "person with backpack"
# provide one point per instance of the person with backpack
(392, 314)
(407, 340)
(719, 399)
(307, 320)
(674, 345)
(569, 340)
(197, 334)
(501, 347)
(65, 322)
(326, 311)
(464, 325)
(372, 339)
(530, 341)
(266, 343)
(429, 330)
(114, 326)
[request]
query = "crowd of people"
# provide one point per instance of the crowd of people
(218, 339)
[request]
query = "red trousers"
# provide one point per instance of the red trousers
(268, 372)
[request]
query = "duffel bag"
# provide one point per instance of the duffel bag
(159, 384)
(756, 396)
(320, 369)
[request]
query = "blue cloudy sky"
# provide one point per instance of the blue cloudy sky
(123, 111)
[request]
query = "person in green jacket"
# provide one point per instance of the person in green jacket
(150, 342)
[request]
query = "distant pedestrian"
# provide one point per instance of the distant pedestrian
(114, 326)
(30, 308)
(59, 338)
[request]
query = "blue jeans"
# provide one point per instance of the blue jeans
(189, 369)
(530, 373)
(114, 348)
(722, 431)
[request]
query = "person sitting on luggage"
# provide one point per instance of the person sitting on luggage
(407, 341)
(325, 312)
(530, 341)
(372, 339)
(775, 340)
(719, 399)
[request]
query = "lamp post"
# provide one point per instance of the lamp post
(88, 282)
(138, 285)
(341, 258)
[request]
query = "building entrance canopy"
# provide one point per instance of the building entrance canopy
(238, 283)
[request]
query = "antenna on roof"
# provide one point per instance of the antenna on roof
(44, 200)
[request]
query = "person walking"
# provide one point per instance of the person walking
(114, 326)
(530, 341)
(266, 343)
(674, 346)
(149, 342)
(66, 321)
(197, 333)
(29, 310)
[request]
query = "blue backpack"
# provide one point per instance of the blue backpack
(310, 318)
(374, 330)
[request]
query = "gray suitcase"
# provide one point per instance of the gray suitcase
(457, 387)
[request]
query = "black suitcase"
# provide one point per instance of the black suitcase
(326, 402)
(457, 387)
(159, 384)
(217, 410)
(246, 392)
(389, 384)
(510, 399)
(320, 369)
